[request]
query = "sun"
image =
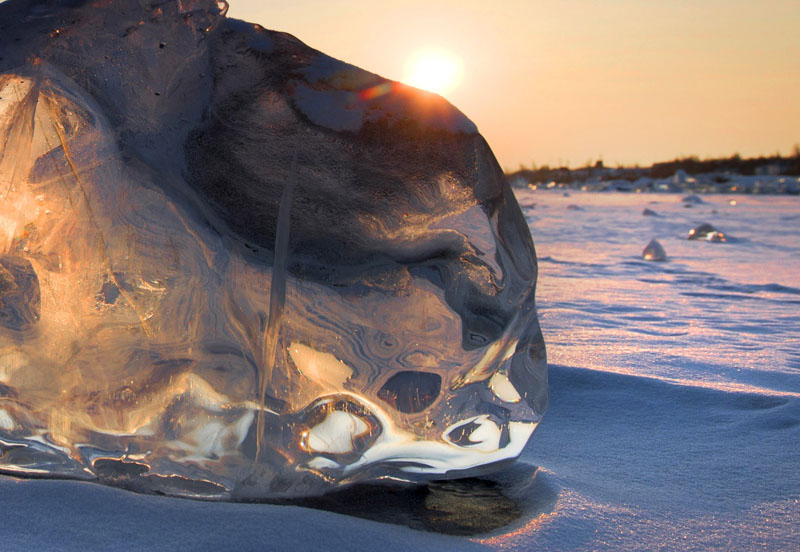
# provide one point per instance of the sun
(434, 70)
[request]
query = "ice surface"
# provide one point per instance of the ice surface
(234, 267)
(675, 409)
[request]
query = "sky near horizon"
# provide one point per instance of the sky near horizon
(569, 81)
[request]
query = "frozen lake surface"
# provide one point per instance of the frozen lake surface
(675, 410)
(674, 420)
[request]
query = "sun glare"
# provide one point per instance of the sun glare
(434, 70)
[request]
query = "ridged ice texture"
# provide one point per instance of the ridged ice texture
(234, 267)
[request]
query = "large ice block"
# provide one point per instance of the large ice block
(234, 267)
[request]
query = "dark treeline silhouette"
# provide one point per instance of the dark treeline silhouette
(788, 166)
(692, 165)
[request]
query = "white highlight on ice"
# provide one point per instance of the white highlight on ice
(503, 389)
(322, 463)
(482, 369)
(209, 439)
(216, 438)
(336, 433)
(6, 421)
(322, 368)
(486, 437)
(395, 445)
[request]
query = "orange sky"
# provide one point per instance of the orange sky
(568, 81)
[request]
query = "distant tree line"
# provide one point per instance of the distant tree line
(783, 165)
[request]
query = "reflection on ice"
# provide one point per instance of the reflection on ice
(227, 272)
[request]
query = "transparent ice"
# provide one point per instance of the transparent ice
(234, 267)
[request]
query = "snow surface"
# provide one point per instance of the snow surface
(675, 405)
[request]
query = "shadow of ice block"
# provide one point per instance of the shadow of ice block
(232, 266)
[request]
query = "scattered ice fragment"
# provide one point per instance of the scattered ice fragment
(654, 251)
(649, 213)
(692, 199)
(706, 231)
